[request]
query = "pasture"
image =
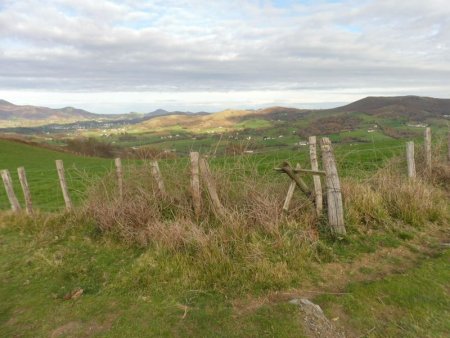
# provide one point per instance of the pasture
(147, 268)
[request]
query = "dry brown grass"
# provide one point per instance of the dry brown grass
(254, 207)
(253, 203)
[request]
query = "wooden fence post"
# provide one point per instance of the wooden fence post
(290, 193)
(15, 206)
(410, 159)
(334, 195)
(156, 173)
(218, 208)
(195, 183)
(63, 183)
(427, 147)
(448, 147)
(25, 189)
(119, 174)
(316, 178)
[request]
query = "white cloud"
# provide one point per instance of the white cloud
(182, 47)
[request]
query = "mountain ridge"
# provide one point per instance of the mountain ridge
(411, 107)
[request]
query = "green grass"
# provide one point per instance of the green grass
(41, 173)
(120, 298)
(134, 292)
(414, 304)
(192, 291)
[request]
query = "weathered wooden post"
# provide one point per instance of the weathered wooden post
(63, 183)
(448, 147)
(427, 147)
(410, 159)
(334, 194)
(119, 174)
(26, 190)
(316, 178)
(195, 183)
(290, 192)
(218, 208)
(6, 177)
(156, 173)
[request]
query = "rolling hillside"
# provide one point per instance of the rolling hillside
(416, 108)
(410, 108)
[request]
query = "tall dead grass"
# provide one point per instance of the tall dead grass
(253, 203)
(254, 206)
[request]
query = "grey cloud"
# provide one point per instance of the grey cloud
(189, 45)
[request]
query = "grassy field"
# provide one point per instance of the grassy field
(147, 268)
(136, 292)
(41, 172)
(412, 304)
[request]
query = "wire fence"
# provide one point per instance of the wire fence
(360, 161)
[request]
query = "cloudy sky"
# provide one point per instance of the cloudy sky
(120, 56)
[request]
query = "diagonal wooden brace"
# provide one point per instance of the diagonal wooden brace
(287, 169)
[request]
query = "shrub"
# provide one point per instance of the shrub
(92, 147)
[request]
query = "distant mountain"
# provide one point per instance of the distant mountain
(12, 115)
(414, 108)
(411, 107)
(162, 112)
(10, 111)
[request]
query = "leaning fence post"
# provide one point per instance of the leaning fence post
(195, 183)
(15, 206)
(156, 173)
(427, 146)
(26, 190)
(63, 183)
(290, 192)
(119, 174)
(334, 195)
(410, 159)
(218, 208)
(316, 178)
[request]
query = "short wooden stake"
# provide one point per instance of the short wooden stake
(410, 159)
(448, 147)
(119, 174)
(195, 183)
(427, 147)
(218, 208)
(316, 178)
(63, 183)
(15, 206)
(334, 195)
(290, 193)
(25, 189)
(156, 173)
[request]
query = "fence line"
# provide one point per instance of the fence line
(200, 173)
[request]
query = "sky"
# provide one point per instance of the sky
(194, 55)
